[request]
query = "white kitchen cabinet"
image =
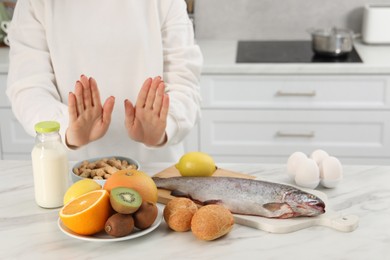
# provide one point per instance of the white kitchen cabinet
(264, 112)
(4, 102)
(295, 92)
(191, 142)
(252, 118)
(15, 142)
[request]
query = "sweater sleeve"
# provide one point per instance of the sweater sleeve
(182, 67)
(31, 81)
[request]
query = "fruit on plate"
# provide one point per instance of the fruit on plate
(194, 164)
(79, 188)
(145, 216)
(119, 225)
(125, 200)
(88, 213)
(178, 213)
(134, 179)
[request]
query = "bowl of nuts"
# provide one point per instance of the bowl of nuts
(101, 168)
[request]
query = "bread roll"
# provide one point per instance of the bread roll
(211, 222)
(178, 214)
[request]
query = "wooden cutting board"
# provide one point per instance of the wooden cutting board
(329, 219)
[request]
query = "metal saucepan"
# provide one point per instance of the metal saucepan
(332, 42)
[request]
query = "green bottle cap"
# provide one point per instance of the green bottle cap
(47, 127)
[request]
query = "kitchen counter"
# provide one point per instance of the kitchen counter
(220, 58)
(30, 232)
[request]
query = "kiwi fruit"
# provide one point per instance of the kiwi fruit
(119, 225)
(125, 200)
(145, 216)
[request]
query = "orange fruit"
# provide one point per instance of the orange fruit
(87, 214)
(134, 179)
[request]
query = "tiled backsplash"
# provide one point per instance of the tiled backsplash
(274, 19)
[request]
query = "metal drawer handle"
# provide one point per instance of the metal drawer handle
(286, 134)
(282, 93)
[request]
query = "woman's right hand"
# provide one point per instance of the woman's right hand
(88, 119)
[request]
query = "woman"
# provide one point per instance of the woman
(139, 57)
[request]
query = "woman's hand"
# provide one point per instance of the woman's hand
(146, 121)
(88, 119)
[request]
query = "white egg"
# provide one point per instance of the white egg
(308, 174)
(319, 155)
(330, 183)
(331, 172)
(293, 161)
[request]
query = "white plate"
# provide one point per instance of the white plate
(104, 237)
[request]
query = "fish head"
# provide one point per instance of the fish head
(304, 204)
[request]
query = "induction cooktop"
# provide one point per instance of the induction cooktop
(286, 52)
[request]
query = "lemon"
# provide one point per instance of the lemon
(196, 164)
(79, 188)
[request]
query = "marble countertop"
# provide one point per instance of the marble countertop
(30, 232)
(220, 57)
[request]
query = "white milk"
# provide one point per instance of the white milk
(50, 169)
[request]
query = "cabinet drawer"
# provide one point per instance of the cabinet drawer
(347, 92)
(4, 102)
(281, 132)
(13, 137)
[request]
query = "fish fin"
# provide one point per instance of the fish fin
(288, 215)
(178, 193)
(207, 202)
(274, 206)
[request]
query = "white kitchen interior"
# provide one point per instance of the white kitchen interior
(266, 94)
(262, 112)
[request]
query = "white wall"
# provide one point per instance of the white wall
(274, 19)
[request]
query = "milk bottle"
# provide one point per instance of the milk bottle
(50, 165)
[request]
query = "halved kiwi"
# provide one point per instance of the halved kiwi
(125, 200)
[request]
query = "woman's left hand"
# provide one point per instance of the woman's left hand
(146, 121)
